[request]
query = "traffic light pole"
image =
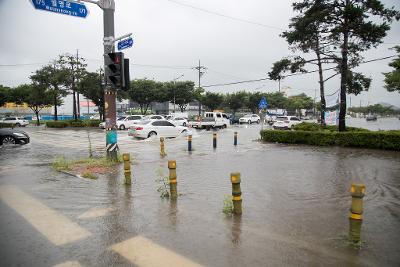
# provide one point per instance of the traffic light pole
(109, 92)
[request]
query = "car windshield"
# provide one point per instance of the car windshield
(281, 118)
(247, 116)
(121, 118)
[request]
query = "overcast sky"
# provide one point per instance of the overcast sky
(172, 38)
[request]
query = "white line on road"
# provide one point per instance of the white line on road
(69, 264)
(55, 227)
(96, 212)
(145, 253)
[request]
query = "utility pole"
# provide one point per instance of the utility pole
(78, 104)
(201, 70)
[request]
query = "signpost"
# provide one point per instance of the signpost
(62, 7)
(126, 43)
(261, 106)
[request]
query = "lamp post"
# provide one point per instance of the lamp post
(174, 80)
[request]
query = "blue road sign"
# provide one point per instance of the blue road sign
(126, 43)
(62, 7)
(263, 103)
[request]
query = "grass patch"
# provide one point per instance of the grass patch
(88, 174)
(227, 205)
(72, 123)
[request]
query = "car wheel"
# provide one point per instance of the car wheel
(152, 134)
(9, 140)
(258, 121)
(249, 122)
(122, 127)
(184, 124)
(18, 124)
(224, 126)
(183, 131)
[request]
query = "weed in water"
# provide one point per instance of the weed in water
(60, 163)
(163, 184)
(88, 174)
(228, 205)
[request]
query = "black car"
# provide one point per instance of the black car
(12, 136)
(234, 119)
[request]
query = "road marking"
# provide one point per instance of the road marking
(58, 229)
(145, 253)
(96, 212)
(69, 264)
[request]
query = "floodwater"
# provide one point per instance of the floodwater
(296, 203)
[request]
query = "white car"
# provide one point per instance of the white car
(249, 118)
(286, 122)
(125, 122)
(179, 121)
(17, 121)
(160, 128)
(153, 118)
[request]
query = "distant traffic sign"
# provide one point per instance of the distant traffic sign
(126, 43)
(263, 103)
(62, 7)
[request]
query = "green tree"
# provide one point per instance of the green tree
(90, 87)
(357, 25)
(144, 92)
(74, 69)
(253, 99)
(212, 100)
(298, 102)
(35, 96)
(185, 93)
(53, 78)
(236, 101)
(392, 79)
(5, 93)
(276, 100)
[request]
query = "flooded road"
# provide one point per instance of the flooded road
(295, 204)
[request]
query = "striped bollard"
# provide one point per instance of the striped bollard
(189, 142)
(214, 140)
(235, 139)
(236, 193)
(127, 168)
(172, 179)
(162, 147)
(356, 211)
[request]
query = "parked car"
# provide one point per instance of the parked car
(162, 128)
(12, 136)
(234, 118)
(128, 121)
(211, 120)
(179, 121)
(286, 122)
(153, 117)
(17, 121)
(249, 118)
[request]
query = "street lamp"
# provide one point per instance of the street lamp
(174, 87)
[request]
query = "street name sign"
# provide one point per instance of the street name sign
(62, 7)
(263, 103)
(126, 43)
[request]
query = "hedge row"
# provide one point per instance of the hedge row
(389, 140)
(309, 126)
(72, 123)
(6, 125)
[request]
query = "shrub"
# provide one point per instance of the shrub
(92, 123)
(308, 126)
(56, 124)
(77, 123)
(389, 140)
(6, 125)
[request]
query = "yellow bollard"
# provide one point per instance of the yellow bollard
(356, 211)
(162, 147)
(189, 142)
(214, 140)
(236, 193)
(172, 179)
(127, 168)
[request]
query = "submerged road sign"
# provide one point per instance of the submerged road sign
(126, 43)
(62, 7)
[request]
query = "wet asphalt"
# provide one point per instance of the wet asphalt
(295, 201)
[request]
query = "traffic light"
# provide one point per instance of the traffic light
(127, 81)
(115, 73)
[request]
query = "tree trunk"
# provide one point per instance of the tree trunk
(343, 81)
(37, 118)
(55, 107)
(321, 84)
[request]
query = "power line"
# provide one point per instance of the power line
(293, 74)
(226, 16)
(23, 64)
(149, 65)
